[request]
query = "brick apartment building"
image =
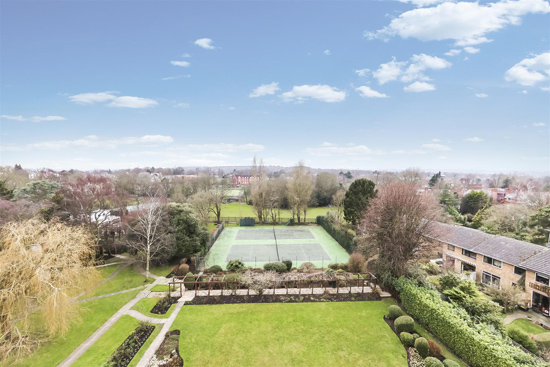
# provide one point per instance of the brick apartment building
(497, 260)
(240, 180)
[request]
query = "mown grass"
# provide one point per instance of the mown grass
(127, 278)
(145, 305)
(105, 346)
(244, 210)
(527, 327)
(94, 314)
(289, 334)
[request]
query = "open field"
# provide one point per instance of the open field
(257, 246)
(244, 210)
(527, 327)
(127, 278)
(289, 334)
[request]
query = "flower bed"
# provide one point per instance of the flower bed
(167, 355)
(163, 305)
(279, 298)
(130, 347)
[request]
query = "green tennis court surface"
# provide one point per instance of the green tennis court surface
(257, 246)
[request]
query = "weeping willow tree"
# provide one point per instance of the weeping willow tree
(43, 266)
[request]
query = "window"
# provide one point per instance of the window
(471, 254)
(519, 271)
(450, 247)
(539, 278)
(491, 261)
(490, 279)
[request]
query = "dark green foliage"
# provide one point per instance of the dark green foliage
(357, 198)
(394, 312)
(450, 363)
(449, 198)
(422, 346)
(540, 221)
(326, 185)
(434, 179)
(215, 269)
(404, 323)
(407, 339)
(37, 191)
(477, 344)
(415, 336)
(432, 362)
(235, 265)
(473, 202)
(188, 235)
(448, 281)
(288, 264)
(522, 338)
(343, 238)
(5, 192)
(277, 266)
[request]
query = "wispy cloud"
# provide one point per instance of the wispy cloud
(177, 77)
(265, 89)
(327, 52)
(367, 92)
(539, 124)
(474, 139)
(205, 43)
(418, 87)
(324, 93)
(183, 64)
(481, 95)
(33, 118)
(530, 71)
(115, 101)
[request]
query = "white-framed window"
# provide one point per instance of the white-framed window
(491, 261)
(490, 279)
(539, 278)
(519, 271)
(450, 247)
(471, 254)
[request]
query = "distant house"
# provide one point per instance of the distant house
(241, 180)
(497, 260)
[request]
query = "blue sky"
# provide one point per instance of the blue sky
(339, 84)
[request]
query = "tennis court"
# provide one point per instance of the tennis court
(257, 246)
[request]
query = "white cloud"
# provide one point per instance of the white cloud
(327, 150)
(421, 3)
(453, 52)
(545, 89)
(395, 70)
(539, 124)
(116, 101)
(231, 108)
(186, 55)
(481, 95)
(94, 141)
(33, 118)
(367, 92)
(523, 92)
(419, 87)
(467, 23)
(362, 72)
(436, 140)
(435, 147)
(183, 64)
(182, 105)
(221, 147)
(324, 93)
(327, 52)
(177, 77)
(530, 71)
(265, 89)
(471, 50)
(205, 43)
(474, 139)
(389, 71)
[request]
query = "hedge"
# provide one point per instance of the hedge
(477, 344)
(341, 237)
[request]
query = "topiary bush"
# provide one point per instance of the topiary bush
(416, 336)
(278, 267)
(422, 346)
(407, 339)
(235, 265)
(404, 323)
(307, 267)
(215, 269)
(432, 362)
(394, 312)
(523, 339)
(183, 269)
(450, 363)
(435, 350)
(288, 264)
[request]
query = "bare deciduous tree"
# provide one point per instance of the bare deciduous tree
(338, 202)
(300, 188)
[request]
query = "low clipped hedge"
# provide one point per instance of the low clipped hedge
(407, 339)
(394, 312)
(450, 363)
(404, 324)
(277, 266)
(522, 338)
(477, 344)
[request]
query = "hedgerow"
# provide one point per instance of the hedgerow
(478, 344)
(341, 237)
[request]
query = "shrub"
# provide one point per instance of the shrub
(215, 269)
(478, 344)
(433, 362)
(435, 350)
(404, 323)
(235, 265)
(450, 363)
(307, 267)
(343, 266)
(432, 268)
(344, 239)
(394, 312)
(333, 266)
(416, 336)
(288, 264)
(278, 267)
(448, 281)
(422, 346)
(356, 263)
(523, 339)
(182, 269)
(407, 339)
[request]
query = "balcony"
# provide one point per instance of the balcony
(540, 287)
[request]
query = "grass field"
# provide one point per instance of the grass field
(527, 327)
(126, 279)
(289, 334)
(219, 253)
(244, 210)
(145, 305)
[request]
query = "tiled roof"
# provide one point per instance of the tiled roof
(518, 253)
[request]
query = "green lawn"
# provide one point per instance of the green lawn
(126, 279)
(244, 210)
(105, 346)
(145, 305)
(160, 288)
(94, 314)
(527, 327)
(162, 270)
(289, 334)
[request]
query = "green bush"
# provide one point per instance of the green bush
(344, 239)
(450, 363)
(407, 339)
(343, 266)
(404, 323)
(215, 269)
(356, 263)
(278, 267)
(333, 266)
(288, 264)
(448, 281)
(523, 339)
(235, 265)
(479, 345)
(394, 312)
(422, 346)
(307, 267)
(433, 362)
(431, 268)
(416, 336)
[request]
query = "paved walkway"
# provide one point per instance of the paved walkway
(141, 317)
(112, 294)
(532, 315)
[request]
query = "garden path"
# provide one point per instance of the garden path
(534, 316)
(141, 317)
